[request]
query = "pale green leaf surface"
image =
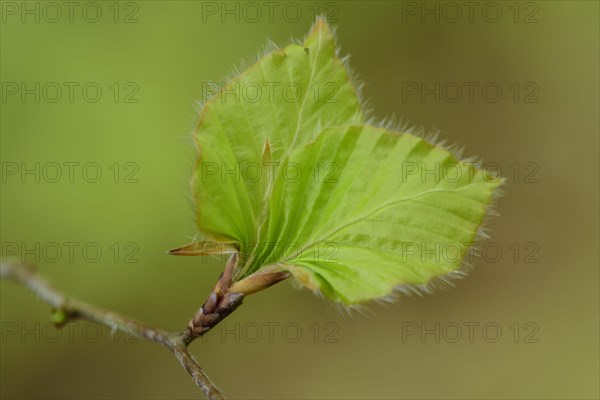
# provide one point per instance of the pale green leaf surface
(274, 106)
(359, 220)
(359, 232)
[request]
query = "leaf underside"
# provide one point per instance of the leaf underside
(352, 211)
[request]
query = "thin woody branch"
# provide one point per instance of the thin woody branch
(224, 299)
(25, 275)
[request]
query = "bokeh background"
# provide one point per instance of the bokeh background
(531, 304)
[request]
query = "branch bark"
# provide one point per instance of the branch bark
(225, 298)
(176, 342)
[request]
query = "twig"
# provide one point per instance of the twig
(224, 299)
(176, 342)
(227, 296)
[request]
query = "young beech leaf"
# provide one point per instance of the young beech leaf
(277, 104)
(391, 210)
(299, 185)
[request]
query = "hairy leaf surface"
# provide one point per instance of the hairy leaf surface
(274, 106)
(391, 210)
(299, 184)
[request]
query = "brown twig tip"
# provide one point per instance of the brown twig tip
(224, 281)
(218, 305)
(228, 296)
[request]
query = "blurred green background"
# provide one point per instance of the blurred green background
(541, 291)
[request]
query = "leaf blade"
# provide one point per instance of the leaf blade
(231, 133)
(382, 232)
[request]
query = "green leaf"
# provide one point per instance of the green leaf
(385, 209)
(363, 211)
(277, 104)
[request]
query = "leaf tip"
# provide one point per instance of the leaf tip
(320, 29)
